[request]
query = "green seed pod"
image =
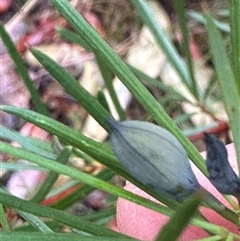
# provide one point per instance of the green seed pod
(154, 157)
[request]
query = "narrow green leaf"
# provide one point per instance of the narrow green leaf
(226, 80)
(110, 212)
(22, 70)
(166, 45)
(177, 223)
(146, 79)
(55, 226)
(81, 192)
(62, 217)
(83, 155)
(105, 72)
(34, 145)
(235, 39)
(71, 85)
(52, 176)
(101, 98)
(36, 222)
(210, 86)
(3, 219)
(199, 17)
(183, 118)
(73, 38)
(66, 186)
(26, 236)
(13, 166)
(109, 85)
(181, 13)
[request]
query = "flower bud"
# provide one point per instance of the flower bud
(221, 174)
(154, 157)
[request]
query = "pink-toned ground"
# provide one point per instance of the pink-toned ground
(142, 223)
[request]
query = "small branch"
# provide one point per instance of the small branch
(22, 13)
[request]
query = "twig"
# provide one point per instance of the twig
(22, 13)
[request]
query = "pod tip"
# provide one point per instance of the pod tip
(113, 124)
